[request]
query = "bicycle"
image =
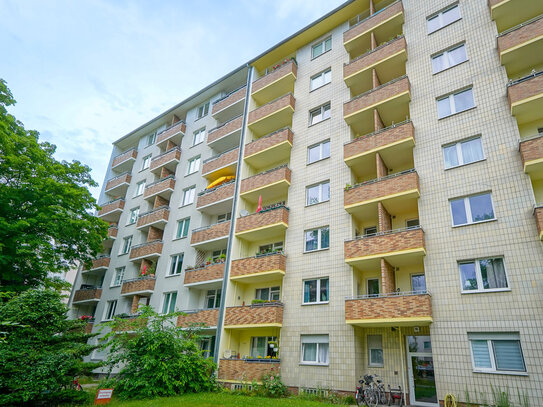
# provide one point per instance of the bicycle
(76, 385)
(370, 393)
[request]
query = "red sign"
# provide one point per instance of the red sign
(103, 396)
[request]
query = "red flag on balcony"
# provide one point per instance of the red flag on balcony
(259, 208)
(144, 267)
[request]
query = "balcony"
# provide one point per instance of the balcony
(226, 135)
(387, 59)
(509, 13)
(163, 187)
(230, 105)
(397, 192)
(174, 133)
(87, 295)
(385, 23)
(275, 83)
(260, 268)
(124, 161)
(394, 144)
(111, 211)
(526, 98)
(265, 315)
(398, 247)
(247, 371)
(394, 309)
(143, 286)
(538, 214)
(390, 99)
(270, 149)
(272, 185)
(211, 237)
(156, 218)
(208, 317)
(129, 323)
(204, 275)
(217, 200)
(168, 160)
(118, 185)
(220, 165)
(531, 153)
(264, 225)
(148, 250)
(272, 116)
(99, 264)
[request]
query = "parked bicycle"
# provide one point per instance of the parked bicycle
(371, 392)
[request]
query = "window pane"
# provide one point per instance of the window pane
(481, 207)
(328, 44)
(376, 356)
(326, 149)
(326, 112)
(508, 355)
(324, 290)
(327, 77)
(313, 195)
(325, 238)
(457, 55)
(481, 356)
(451, 158)
(443, 107)
(418, 282)
(316, 116)
(311, 239)
(459, 212)
(263, 294)
(317, 50)
(433, 24)
(310, 291)
(323, 353)
(438, 63)
(464, 100)
(451, 15)
(467, 273)
(309, 352)
(493, 273)
(373, 287)
(472, 150)
(325, 192)
(314, 153)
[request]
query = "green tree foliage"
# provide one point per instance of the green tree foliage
(156, 358)
(46, 221)
(42, 350)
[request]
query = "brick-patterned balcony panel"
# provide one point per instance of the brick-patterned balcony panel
(265, 178)
(371, 22)
(257, 314)
(159, 215)
(209, 317)
(127, 155)
(207, 273)
(382, 244)
(379, 139)
(406, 181)
(169, 132)
(87, 295)
(520, 35)
(285, 69)
(377, 95)
(226, 128)
(160, 186)
(216, 194)
(129, 324)
(266, 142)
(146, 249)
(273, 106)
(112, 232)
(220, 161)
(261, 219)
(117, 204)
(388, 307)
(525, 88)
(101, 262)
(229, 100)
(531, 149)
(246, 371)
(538, 214)
(260, 264)
(121, 179)
(172, 155)
(219, 230)
(371, 58)
(88, 327)
(138, 285)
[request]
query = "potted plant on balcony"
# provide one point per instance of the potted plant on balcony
(222, 258)
(188, 268)
(209, 261)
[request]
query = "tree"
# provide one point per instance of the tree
(42, 350)
(155, 357)
(46, 222)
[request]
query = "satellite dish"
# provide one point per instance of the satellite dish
(227, 354)
(244, 212)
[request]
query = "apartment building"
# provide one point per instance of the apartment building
(360, 198)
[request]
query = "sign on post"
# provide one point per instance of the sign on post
(103, 396)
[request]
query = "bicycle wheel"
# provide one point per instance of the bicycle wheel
(383, 396)
(367, 394)
(359, 397)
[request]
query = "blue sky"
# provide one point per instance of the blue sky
(85, 73)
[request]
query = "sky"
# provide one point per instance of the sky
(87, 72)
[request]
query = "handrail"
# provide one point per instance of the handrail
(271, 134)
(131, 280)
(537, 206)
(528, 22)
(384, 233)
(375, 133)
(260, 304)
(228, 94)
(267, 172)
(386, 177)
(118, 176)
(207, 191)
(220, 154)
(388, 295)
(383, 45)
(146, 244)
(281, 64)
(377, 88)
(208, 226)
(160, 208)
(172, 176)
(273, 101)
(172, 126)
(124, 152)
(166, 152)
(273, 208)
(372, 15)
(90, 287)
(112, 201)
(224, 124)
(533, 74)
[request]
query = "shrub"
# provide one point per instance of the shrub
(272, 386)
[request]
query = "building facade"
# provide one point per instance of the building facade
(360, 198)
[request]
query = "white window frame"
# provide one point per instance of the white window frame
(174, 264)
(320, 146)
(150, 139)
(224, 217)
(323, 43)
(460, 154)
(217, 295)
(273, 247)
(140, 188)
(317, 114)
(146, 163)
(490, 338)
(320, 187)
(110, 309)
(452, 103)
(318, 280)
(133, 216)
(276, 289)
(216, 254)
(118, 277)
(323, 75)
(199, 136)
(445, 54)
(479, 277)
(193, 165)
(319, 238)
(467, 207)
(440, 17)
(203, 110)
(370, 362)
(181, 226)
(318, 340)
(192, 193)
(125, 247)
(167, 302)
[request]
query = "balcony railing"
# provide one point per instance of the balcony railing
(229, 104)
(151, 249)
(221, 164)
(210, 233)
(269, 149)
(248, 371)
(163, 187)
(99, 263)
(207, 273)
(538, 214)
(118, 184)
(273, 115)
(168, 159)
(125, 160)
(87, 294)
(207, 317)
(216, 195)
(278, 177)
(526, 97)
(265, 314)
(263, 264)
(112, 231)
(174, 133)
(111, 211)
(275, 83)
(226, 129)
(140, 286)
(274, 220)
(157, 218)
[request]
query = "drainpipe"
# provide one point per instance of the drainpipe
(228, 261)
(403, 362)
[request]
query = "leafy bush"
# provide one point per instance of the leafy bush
(272, 386)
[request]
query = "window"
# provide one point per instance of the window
(455, 103)
(317, 239)
(188, 196)
(449, 58)
(316, 291)
(496, 352)
(412, 224)
(375, 350)
(146, 162)
(176, 264)
(463, 152)
(371, 231)
(443, 18)
(418, 283)
(199, 136)
(472, 209)
(318, 152)
(314, 349)
(319, 114)
(194, 165)
(317, 193)
(224, 217)
(483, 275)
(320, 79)
(372, 287)
(127, 243)
(270, 248)
(182, 228)
(262, 346)
(216, 254)
(140, 187)
(110, 309)
(169, 302)
(213, 299)
(207, 346)
(118, 278)
(268, 294)
(203, 110)
(150, 140)
(134, 213)
(321, 47)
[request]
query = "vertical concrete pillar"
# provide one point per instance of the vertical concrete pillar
(385, 221)
(372, 8)
(170, 144)
(154, 234)
(375, 78)
(388, 282)
(164, 172)
(159, 201)
(382, 170)
(377, 122)
(373, 41)
(135, 304)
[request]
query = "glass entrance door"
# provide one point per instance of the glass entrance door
(422, 382)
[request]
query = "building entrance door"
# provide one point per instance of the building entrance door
(422, 384)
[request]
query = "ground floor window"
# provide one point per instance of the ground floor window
(497, 352)
(375, 350)
(263, 346)
(314, 349)
(207, 345)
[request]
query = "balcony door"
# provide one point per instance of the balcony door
(422, 383)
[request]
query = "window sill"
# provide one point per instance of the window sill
(325, 52)
(313, 364)
(184, 206)
(179, 238)
(475, 223)
(192, 173)
(143, 169)
(196, 145)
(200, 118)
(323, 120)
(495, 290)
(315, 303)
(456, 113)
(446, 25)
(316, 203)
(463, 165)
(316, 250)
(379, 366)
(131, 223)
(322, 86)
(115, 286)
(173, 275)
(319, 160)
(450, 67)
(135, 196)
(123, 254)
(502, 372)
